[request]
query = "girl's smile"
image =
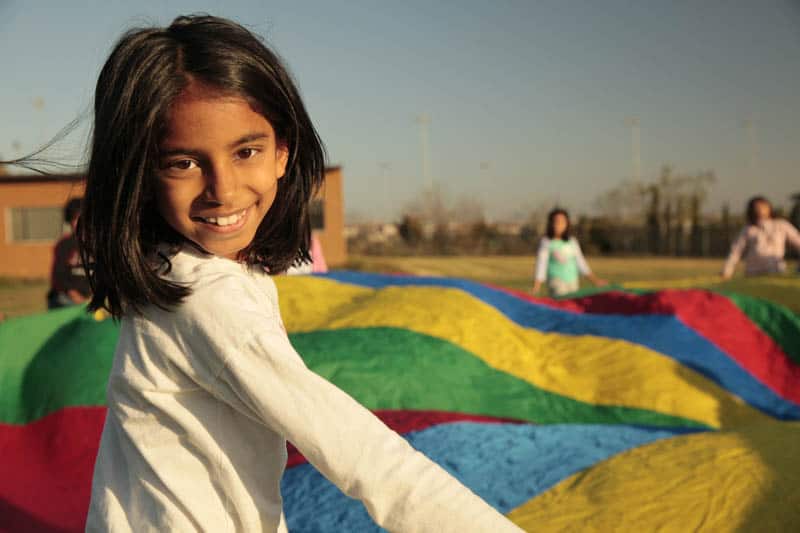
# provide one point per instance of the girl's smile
(220, 163)
(224, 223)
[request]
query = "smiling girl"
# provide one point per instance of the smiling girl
(202, 166)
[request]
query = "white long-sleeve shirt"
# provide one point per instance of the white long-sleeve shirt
(763, 246)
(201, 401)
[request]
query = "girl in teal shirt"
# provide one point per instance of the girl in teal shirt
(560, 261)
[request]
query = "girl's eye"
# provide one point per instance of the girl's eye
(246, 153)
(183, 164)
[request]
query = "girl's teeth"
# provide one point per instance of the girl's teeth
(225, 221)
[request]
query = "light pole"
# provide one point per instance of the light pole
(749, 124)
(636, 155)
(385, 167)
(424, 120)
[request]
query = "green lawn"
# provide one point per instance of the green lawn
(26, 297)
(640, 272)
(22, 297)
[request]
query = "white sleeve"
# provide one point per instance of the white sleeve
(792, 235)
(737, 248)
(583, 266)
(542, 256)
(262, 376)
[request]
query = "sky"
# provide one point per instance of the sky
(527, 100)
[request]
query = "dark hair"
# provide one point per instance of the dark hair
(72, 209)
(148, 68)
(752, 216)
(551, 217)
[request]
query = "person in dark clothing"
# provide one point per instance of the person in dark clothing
(68, 283)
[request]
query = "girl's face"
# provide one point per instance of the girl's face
(218, 170)
(763, 211)
(560, 223)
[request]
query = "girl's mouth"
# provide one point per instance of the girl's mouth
(224, 224)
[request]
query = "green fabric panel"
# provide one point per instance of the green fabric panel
(389, 368)
(53, 360)
(61, 359)
(773, 319)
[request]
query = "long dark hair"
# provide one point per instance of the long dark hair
(148, 68)
(752, 216)
(551, 217)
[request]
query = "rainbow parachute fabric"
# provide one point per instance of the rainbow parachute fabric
(674, 410)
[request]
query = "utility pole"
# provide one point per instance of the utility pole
(424, 120)
(385, 167)
(749, 124)
(636, 155)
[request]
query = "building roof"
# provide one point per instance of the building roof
(40, 178)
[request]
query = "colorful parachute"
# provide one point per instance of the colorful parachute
(674, 410)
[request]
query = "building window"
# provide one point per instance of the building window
(317, 211)
(36, 224)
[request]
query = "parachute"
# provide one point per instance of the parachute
(618, 410)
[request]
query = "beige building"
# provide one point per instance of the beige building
(31, 220)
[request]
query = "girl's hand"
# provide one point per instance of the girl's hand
(76, 297)
(598, 282)
(536, 287)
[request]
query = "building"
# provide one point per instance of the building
(31, 220)
(327, 218)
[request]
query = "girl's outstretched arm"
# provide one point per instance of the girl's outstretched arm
(792, 235)
(737, 249)
(255, 369)
(542, 256)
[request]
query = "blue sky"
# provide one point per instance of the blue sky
(527, 99)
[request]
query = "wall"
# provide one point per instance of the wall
(30, 259)
(332, 236)
(33, 259)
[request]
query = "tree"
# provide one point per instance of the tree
(410, 230)
(670, 208)
(794, 214)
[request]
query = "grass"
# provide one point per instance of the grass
(23, 297)
(642, 272)
(517, 271)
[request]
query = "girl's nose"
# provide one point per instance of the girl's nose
(221, 183)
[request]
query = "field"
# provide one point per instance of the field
(26, 297)
(672, 411)
(651, 272)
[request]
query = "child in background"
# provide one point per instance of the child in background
(762, 242)
(559, 260)
(203, 163)
(68, 284)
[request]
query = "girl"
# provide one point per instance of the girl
(68, 284)
(762, 241)
(560, 260)
(202, 165)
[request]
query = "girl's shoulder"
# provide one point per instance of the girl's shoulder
(783, 224)
(220, 285)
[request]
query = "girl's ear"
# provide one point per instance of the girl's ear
(281, 159)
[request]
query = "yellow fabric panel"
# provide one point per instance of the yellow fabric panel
(596, 370)
(745, 480)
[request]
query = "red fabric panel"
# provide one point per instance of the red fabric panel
(46, 470)
(407, 421)
(711, 315)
